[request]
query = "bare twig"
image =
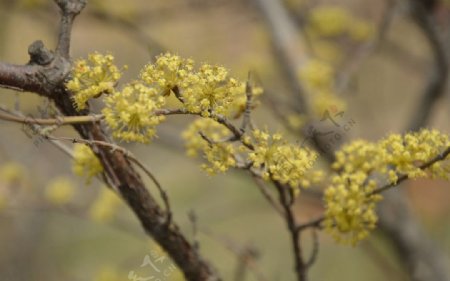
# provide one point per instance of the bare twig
(263, 188)
(246, 255)
(246, 121)
(300, 266)
(315, 249)
(61, 120)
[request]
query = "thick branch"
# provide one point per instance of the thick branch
(24, 77)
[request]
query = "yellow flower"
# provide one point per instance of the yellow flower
(329, 20)
(12, 173)
(407, 152)
(60, 191)
(281, 161)
(212, 90)
(220, 155)
(92, 77)
(169, 71)
(350, 210)
(105, 206)
(85, 162)
(360, 30)
(318, 78)
(131, 113)
(317, 74)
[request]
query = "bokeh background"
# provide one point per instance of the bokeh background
(93, 236)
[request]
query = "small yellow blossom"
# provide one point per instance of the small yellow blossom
(329, 20)
(332, 21)
(131, 113)
(12, 173)
(212, 90)
(359, 155)
(85, 162)
(108, 273)
(350, 208)
(60, 191)
(360, 30)
(318, 78)
(92, 77)
(327, 51)
(169, 71)
(317, 74)
(279, 160)
(105, 206)
(296, 121)
(220, 155)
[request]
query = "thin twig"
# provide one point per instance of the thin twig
(69, 9)
(60, 120)
(315, 249)
(247, 254)
(263, 188)
(246, 120)
(300, 266)
(402, 178)
(132, 158)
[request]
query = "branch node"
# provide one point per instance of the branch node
(39, 54)
(71, 7)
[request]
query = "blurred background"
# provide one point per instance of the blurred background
(381, 59)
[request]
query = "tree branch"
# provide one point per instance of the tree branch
(48, 80)
(69, 10)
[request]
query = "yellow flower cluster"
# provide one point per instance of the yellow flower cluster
(396, 154)
(219, 154)
(331, 21)
(350, 207)
(85, 162)
(168, 72)
(212, 90)
(281, 161)
(92, 77)
(203, 90)
(131, 112)
(407, 152)
(105, 206)
(318, 78)
(60, 191)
